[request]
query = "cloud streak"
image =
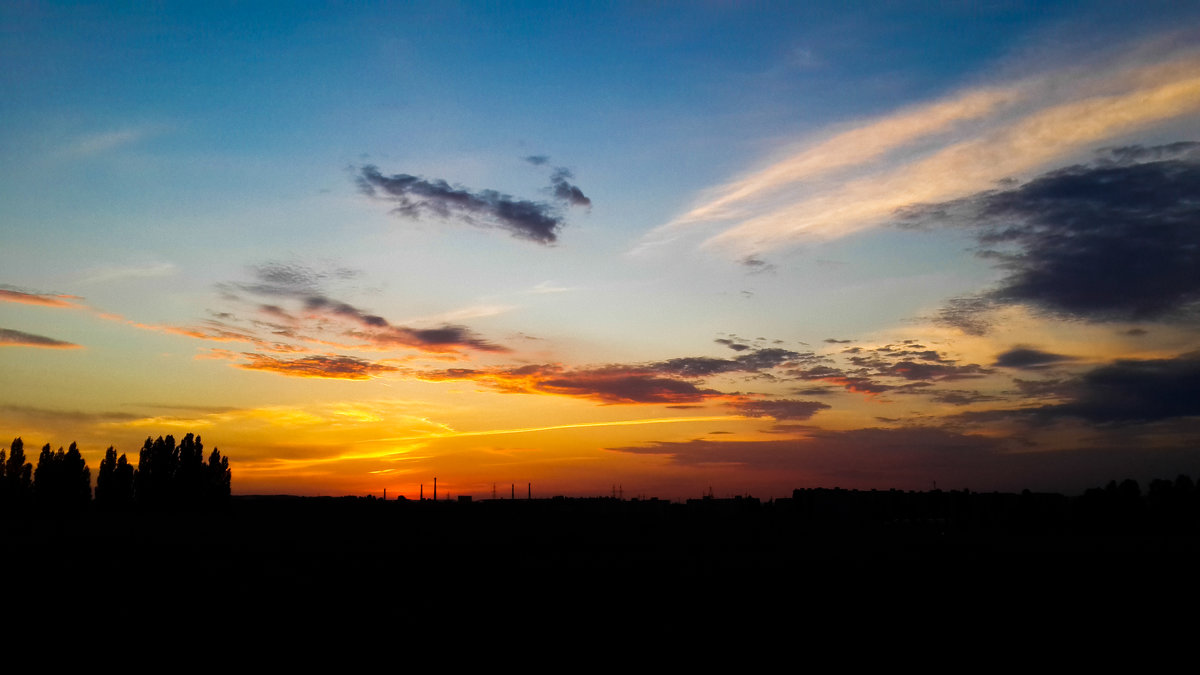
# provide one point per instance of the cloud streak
(44, 300)
(782, 409)
(316, 312)
(670, 382)
(608, 385)
(16, 338)
(328, 366)
(941, 151)
(522, 218)
(1028, 358)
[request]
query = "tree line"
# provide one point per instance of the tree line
(167, 476)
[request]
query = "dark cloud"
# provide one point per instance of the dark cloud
(1114, 240)
(735, 346)
(292, 279)
(907, 349)
(868, 458)
(906, 367)
(959, 396)
(608, 384)
(331, 366)
(754, 361)
(835, 341)
(669, 382)
(914, 458)
(565, 191)
(1027, 358)
(1137, 391)
(16, 338)
(1040, 388)
(323, 304)
(912, 370)
(305, 285)
(968, 314)
(1121, 393)
(202, 409)
(814, 391)
(782, 409)
(757, 265)
(537, 160)
(446, 338)
(57, 415)
(849, 380)
(1130, 154)
(525, 219)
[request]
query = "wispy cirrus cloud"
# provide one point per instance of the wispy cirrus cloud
(296, 317)
(963, 143)
(106, 274)
(104, 141)
(312, 316)
(16, 338)
(42, 299)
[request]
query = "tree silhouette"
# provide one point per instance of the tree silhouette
(177, 476)
(114, 483)
(17, 474)
(156, 471)
(62, 479)
(217, 478)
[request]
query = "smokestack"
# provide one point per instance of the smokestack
(435, 488)
(512, 491)
(422, 492)
(529, 488)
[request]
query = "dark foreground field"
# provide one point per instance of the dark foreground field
(602, 556)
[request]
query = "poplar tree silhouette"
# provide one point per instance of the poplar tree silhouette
(62, 480)
(18, 483)
(114, 482)
(176, 476)
(218, 477)
(155, 471)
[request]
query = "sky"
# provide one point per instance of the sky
(650, 249)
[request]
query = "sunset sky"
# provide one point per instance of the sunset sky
(665, 247)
